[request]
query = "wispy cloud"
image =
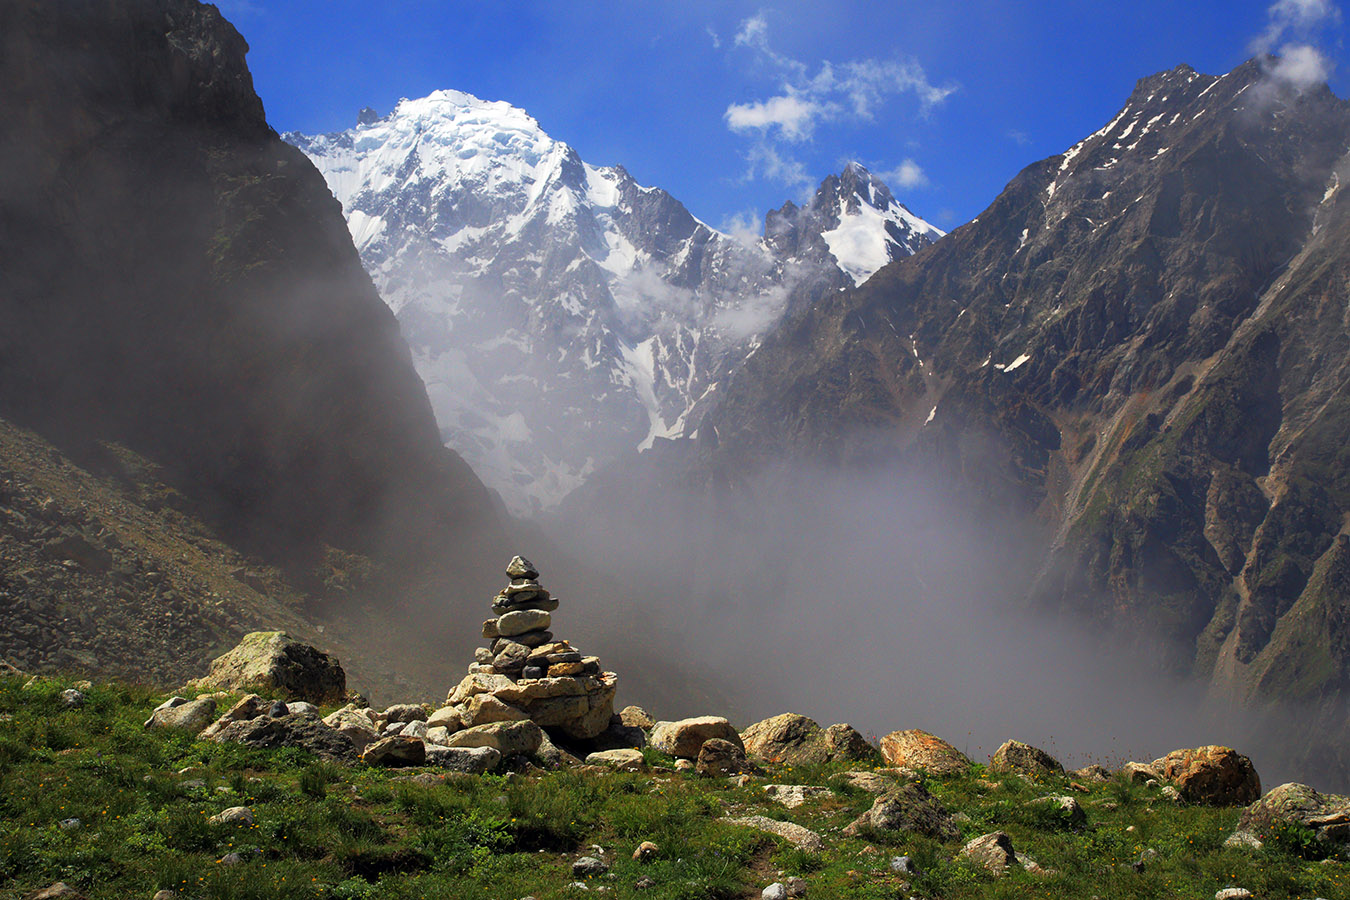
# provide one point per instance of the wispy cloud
(1292, 29)
(906, 175)
(716, 39)
(850, 91)
(1019, 137)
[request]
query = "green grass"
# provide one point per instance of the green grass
(145, 799)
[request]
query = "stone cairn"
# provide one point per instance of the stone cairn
(528, 672)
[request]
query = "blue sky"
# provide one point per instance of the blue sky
(735, 107)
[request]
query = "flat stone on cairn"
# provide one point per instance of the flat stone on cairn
(549, 682)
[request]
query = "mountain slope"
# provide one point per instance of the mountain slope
(560, 313)
(1137, 349)
(177, 279)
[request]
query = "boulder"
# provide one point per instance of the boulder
(788, 738)
(1024, 759)
(398, 750)
(844, 743)
(916, 749)
(273, 661)
(623, 760)
(506, 737)
(469, 760)
(405, 712)
(355, 724)
(718, 757)
(908, 807)
(305, 732)
(450, 717)
(685, 737)
(992, 852)
(188, 715)
(1293, 804)
(1139, 773)
(1211, 775)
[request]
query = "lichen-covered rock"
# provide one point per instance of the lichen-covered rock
(506, 737)
(788, 738)
(469, 760)
(636, 717)
(685, 737)
(249, 707)
(908, 807)
(275, 662)
(1293, 804)
(624, 760)
(1139, 773)
(1024, 759)
(355, 724)
(396, 750)
(917, 749)
(992, 852)
(718, 757)
(1211, 775)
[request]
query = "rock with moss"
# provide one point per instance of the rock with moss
(1212, 775)
(1295, 807)
(304, 732)
(919, 750)
(187, 715)
(685, 737)
(275, 662)
(908, 807)
(1024, 759)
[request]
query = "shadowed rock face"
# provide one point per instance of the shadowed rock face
(177, 279)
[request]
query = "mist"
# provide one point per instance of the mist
(884, 600)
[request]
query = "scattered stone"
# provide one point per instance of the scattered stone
(275, 662)
(189, 715)
(9, 670)
(302, 708)
(1170, 792)
(916, 749)
(794, 795)
(58, 891)
(718, 757)
(1245, 840)
(356, 725)
(414, 729)
(589, 867)
(165, 895)
(775, 891)
(908, 807)
(870, 782)
(844, 743)
(249, 707)
(446, 717)
(992, 852)
(802, 838)
(69, 824)
(240, 856)
(1211, 775)
(305, 732)
(646, 851)
(1065, 812)
(1138, 773)
(1024, 759)
(405, 712)
(398, 750)
(684, 765)
(636, 717)
(623, 760)
(904, 865)
(235, 815)
(794, 740)
(278, 709)
(646, 882)
(72, 699)
(1092, 773)
(469, 760)
(1234, 893)
(684, 738)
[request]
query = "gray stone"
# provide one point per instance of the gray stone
(305, 732)
(521, 568)
(1024, 759)
(510, 656)
(58, 891)
(533, 672)
(405, 712)
(775, 891)
(235, 815)
(69, 824)
(904, 865)
(470, 760)
(718, 758)
(398, 750)
(414, 729)
(589, 867)
(301, 708)
(72, 699)
(1234, 893)
(355, 725)
(189, 715)
(907, 807)
(278, 709)
(1327, 815)
(795, 795)
(508, 737)
(802, 838)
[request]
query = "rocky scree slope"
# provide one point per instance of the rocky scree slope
(177, 279)
(560, 313)
(1139, 347)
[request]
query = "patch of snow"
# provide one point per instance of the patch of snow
(931, 413)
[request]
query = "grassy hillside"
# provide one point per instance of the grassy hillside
(90, 798)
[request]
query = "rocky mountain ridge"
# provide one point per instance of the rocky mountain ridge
(1136, 352)
(560, 313)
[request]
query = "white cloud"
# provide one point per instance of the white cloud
(906, 175)
(793, 116)
(1293, 26)
(742, 227)
(716, 40)
(851, 91)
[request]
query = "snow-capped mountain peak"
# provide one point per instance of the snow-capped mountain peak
(560, 313)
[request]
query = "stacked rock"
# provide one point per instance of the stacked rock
(532, 675)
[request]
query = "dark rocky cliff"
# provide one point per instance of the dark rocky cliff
(177, 279)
